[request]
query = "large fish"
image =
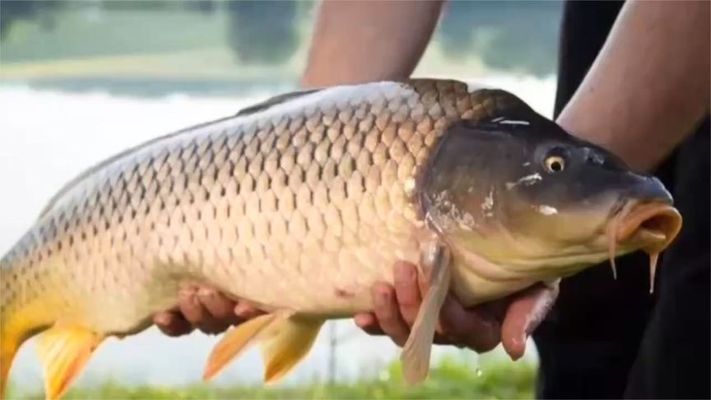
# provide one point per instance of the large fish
(299, 204)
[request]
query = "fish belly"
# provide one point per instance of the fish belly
(300, 203)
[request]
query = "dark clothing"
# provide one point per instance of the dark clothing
(610, 338)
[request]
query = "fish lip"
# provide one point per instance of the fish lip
(651, 225)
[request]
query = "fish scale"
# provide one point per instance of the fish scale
(299, 203)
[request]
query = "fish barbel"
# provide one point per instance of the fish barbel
(299, 204)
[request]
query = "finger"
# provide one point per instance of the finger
(245, 311)
(407, 291)
(172, 323)
(192, 309)
(195, 312)
(388, 315)
(219, 307)
(523, 316)
(368, 323)
(471, 328)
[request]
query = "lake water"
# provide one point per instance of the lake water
(48, 136)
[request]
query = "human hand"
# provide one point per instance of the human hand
(508, 321)
(203, 308)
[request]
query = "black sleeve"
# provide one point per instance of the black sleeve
(674, 359)
(607, 338)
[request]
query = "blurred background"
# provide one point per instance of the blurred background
(82, 80)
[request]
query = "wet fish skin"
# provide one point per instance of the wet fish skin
(299, 203)
(246, 200)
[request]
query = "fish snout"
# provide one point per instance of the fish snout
(648, 221)
(649, 189)
(650, 218)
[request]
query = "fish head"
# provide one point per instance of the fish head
(528, 197)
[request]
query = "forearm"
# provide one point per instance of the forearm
(357, 42)
(650, 84)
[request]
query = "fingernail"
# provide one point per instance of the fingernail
(205, 292)
(362, 320)
(242, 310)
(239, 309)
(162, 319)
(411, 272)
(383, 295)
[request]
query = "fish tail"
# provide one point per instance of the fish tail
(16, 325)
(64, 347)
(8, 349)
(18, 319)
(10, 342)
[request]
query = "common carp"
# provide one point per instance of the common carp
(299, 204)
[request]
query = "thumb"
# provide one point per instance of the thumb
(526, 311)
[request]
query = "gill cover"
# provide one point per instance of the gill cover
(472, 158)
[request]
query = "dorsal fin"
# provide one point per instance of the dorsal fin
(508, 106)
(499, 102)
(272, 101)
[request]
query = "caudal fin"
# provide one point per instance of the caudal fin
(63, 350)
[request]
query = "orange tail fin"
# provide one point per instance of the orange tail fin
(10, 342)
(8, 349)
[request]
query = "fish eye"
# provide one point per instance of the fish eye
(554, 164)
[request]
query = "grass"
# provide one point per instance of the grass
(450, 378)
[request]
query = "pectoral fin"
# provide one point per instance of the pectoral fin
(286, 344)
(64, 351)
(415, 356)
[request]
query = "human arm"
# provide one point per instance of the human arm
(508, 321)
(644, 94)
(649, 85)
(365, 41)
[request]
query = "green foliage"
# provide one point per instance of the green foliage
(262, 32)
(450, 378)
(517, 36)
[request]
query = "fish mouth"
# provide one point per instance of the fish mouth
(651, 226)
(647, 226)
